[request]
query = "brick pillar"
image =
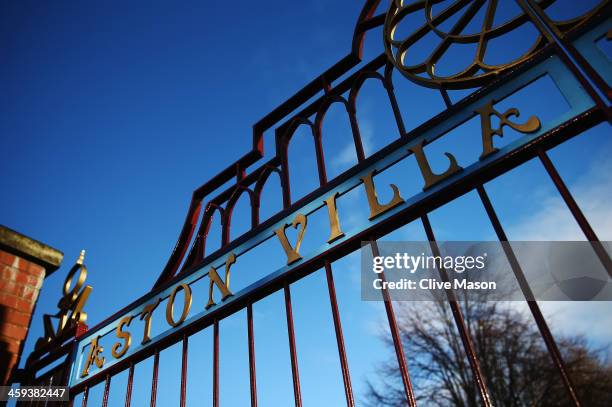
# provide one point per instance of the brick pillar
(24, 264)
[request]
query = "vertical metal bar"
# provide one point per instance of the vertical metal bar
(66, 375)
(355, 132)
(154, 381)
(225, 226)
(285, 181)
(401, 127)
(397, 114)
(576, 212)
(346, 376)
(106, 390)
(396, 336)
(184, 371)
(128, 391)
(255, 203)
(459, 321)
(320, 154)
(216, 364)
(294, 362)
(47, 382)
(52, 380)
(252, 375)
(85, 394)
(547, 336)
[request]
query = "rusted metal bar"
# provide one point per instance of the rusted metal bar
(545, 332)
(128, 391)
(106, 390)
(396, 336)
(346, 376)
(576, 211)
(294, 362)
(252, 375)
(85, 395)
(154, 380)
(183, 402)
(459, 320)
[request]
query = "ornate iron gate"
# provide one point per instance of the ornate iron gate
(567, 52)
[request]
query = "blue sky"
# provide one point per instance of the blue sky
(113, 113)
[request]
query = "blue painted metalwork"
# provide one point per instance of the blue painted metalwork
(586, 44)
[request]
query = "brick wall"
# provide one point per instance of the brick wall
(24, 263)
(20, 282)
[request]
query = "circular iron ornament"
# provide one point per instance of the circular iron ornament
(477, 73)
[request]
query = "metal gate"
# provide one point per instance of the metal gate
(565, 51)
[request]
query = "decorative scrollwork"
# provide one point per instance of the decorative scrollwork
(70, 306)
(461, 12)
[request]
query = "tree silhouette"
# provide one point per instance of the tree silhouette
(513, 357)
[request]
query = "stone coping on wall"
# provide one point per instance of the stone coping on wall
(30, 249)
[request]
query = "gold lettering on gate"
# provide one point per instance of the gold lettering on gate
(334, 223)
(376, 208)
(94, 356)
(147, 315)
(429, 176)
(71, 305)
(214, 278)
(186, 304)
(121, 334)
(293, 253)
(531, 125)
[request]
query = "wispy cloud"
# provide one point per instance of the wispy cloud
(594, 194)
(593, 191)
